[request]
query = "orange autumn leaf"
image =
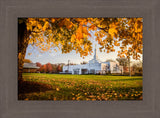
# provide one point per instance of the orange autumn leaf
(112, 30)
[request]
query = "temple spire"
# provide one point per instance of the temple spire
(95, 52)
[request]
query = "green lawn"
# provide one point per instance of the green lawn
(83, 87)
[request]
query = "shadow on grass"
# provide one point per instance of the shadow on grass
(29, 87)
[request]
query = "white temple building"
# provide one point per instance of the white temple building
(94, 66)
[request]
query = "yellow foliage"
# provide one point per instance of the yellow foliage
(112, 30)
(57, 89)
(45, 26)
(68, 23)
(53, 20)
(108, 32)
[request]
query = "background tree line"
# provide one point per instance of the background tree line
(47, 68)
(135, 67)
(50, 68)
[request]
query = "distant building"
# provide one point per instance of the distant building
(94, 67)
(30, 68)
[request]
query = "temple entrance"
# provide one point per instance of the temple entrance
(76, 71)
(92, 71)
(84, 71)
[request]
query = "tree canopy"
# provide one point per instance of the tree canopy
(27, 61)
(72, 34)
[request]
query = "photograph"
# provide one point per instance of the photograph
(80, 59)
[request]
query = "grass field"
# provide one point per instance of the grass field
(80, 87)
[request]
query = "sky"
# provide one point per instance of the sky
(57, 57)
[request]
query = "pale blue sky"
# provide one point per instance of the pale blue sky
(58, 57)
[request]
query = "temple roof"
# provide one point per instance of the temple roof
(30, 65)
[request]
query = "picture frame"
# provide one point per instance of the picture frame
(10, 107)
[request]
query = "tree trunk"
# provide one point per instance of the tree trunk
(23, 38)
(129, 67)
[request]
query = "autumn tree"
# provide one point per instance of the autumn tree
(59, 68)
(137, 66)
(49, 68)
(69, 34)
(123, 61)
(27, 61)
(54, 68)
(43, 68)
(39, 65)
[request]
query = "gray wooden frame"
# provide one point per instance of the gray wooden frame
(10, 107)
